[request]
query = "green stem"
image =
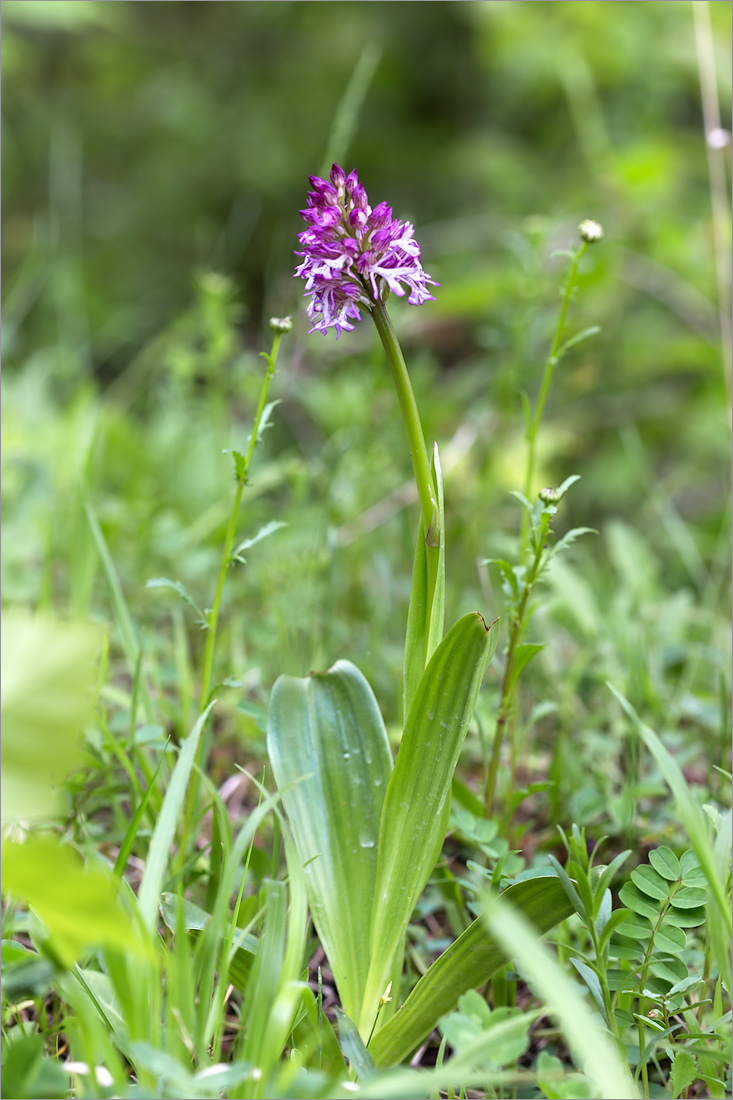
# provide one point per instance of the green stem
(242, 473)
(411, 417)
(506, 694)
(550, 364)
(242, 466)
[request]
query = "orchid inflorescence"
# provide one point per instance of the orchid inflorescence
(354, 254)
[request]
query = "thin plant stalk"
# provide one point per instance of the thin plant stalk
(242, 477)
(534, 421)
(507, 692)
(242, 466)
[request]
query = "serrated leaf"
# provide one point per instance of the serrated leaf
(181, 590)
(569, 538)
(650, 883)
(417, 802)
(689, 897)
(263, 533)
(467, 964)
(682, 1072)
(332, 762)
(633, 898)
(665, 862)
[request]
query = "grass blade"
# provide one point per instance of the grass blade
(160, 845)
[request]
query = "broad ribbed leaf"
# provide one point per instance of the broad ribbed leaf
(426, 613)
(332, 762)
(474, 958)
(417, 804)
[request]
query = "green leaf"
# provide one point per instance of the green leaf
(670, 938)
(669, 969)
(591, 979)
(689, 897)
(353, 1047)
(268, 529)
(27, 1072)
(195, 920)
(694, 821)
(523, 654)
(593, 1048)
(637, 927)
(650, 883)
(505, 1031)
(332, 761)
(48, 672)
(683, 1071)
(569, 538)
(691, 872)
(426, 613)
(686, 918)
(665, 862)
(77, 904)
(179, 588)
(165, 828)
(417, 803)
(640, 903)
(314, 1037)
(585, 334)
(469, 962)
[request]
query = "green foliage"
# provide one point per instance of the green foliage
(332, 763)
(156, 155)
(48, 672)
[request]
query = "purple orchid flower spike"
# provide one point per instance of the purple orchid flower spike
(353, 255)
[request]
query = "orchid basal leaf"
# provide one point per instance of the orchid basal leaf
(417, 804)
(332, 761)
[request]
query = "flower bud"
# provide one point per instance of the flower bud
(381, 216)
(359, 197)
(549, 496)
(352, 181)
(280, 324)
(338, 176)
(590, 231)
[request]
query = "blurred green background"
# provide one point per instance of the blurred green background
(156, 156)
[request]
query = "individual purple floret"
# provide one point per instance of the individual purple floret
(354, 255)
